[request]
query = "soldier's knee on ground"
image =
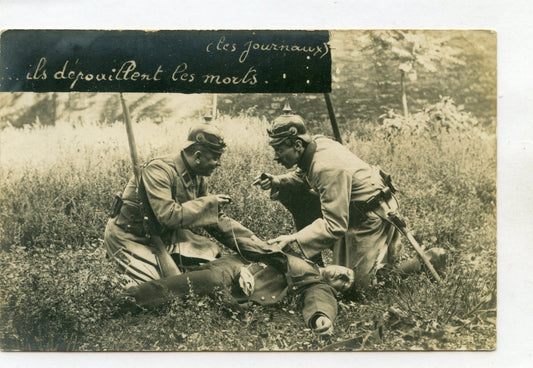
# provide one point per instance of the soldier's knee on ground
(437, 257)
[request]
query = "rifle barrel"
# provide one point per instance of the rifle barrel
(131, 138)
(166, 263)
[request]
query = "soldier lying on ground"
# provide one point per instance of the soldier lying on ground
(264, 275)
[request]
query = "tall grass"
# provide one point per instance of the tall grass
(60, 293)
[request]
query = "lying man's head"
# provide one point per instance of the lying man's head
(339, 277)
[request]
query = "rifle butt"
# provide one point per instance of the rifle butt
(166, 263)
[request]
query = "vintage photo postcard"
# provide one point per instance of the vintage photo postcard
(248, 190)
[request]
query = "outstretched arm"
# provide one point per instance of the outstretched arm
(318, 301)
(170, 213)
(334, 188)
(228, 231)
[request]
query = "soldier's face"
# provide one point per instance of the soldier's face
(207, 163)
(339, 277)
(286, 155)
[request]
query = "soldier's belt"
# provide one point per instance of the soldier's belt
(130, 218)
(372, 203)
(135, 229)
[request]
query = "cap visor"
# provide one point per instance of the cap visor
(277, 141)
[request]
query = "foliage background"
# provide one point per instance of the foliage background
(63, 155)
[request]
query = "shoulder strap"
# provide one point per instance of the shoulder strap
(171, 172)
(152, 226)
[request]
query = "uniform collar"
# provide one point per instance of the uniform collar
(307, 156)
(184, 170)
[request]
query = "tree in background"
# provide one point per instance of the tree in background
(407, 51)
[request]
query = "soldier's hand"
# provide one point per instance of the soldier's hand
(222, 199)
(282, 242)
(266, 181)
(323, 326)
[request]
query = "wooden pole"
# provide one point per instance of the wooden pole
(404, 94)
(332, 118)
(164, 259)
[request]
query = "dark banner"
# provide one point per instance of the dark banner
(243, 61)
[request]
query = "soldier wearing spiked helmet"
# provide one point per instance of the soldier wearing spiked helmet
(329, 192)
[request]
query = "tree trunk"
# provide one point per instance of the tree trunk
(404, 95)
(214, 107)
(377, 94)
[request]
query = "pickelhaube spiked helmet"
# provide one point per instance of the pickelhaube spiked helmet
(208, 136)
(287, 125)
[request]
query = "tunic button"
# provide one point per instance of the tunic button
(273, 297)
(262, 298)
(294, 288)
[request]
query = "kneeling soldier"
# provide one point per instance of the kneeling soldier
(338, 201)
(176, 191)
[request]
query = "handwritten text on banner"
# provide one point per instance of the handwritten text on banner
(165, 61)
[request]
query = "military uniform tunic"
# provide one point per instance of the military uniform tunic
(181, 204)
(339, 181)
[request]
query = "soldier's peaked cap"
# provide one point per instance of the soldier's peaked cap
(208, 136)
(286, 126)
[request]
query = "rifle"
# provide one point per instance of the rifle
(383, 210)
(402, 227)
(166, 263)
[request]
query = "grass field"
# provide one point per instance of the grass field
(58, 291)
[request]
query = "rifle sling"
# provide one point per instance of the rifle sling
(152, 226)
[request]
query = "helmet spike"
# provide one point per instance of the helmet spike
(208, 117)
(287, 108)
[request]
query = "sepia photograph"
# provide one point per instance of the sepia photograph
(260, 191)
